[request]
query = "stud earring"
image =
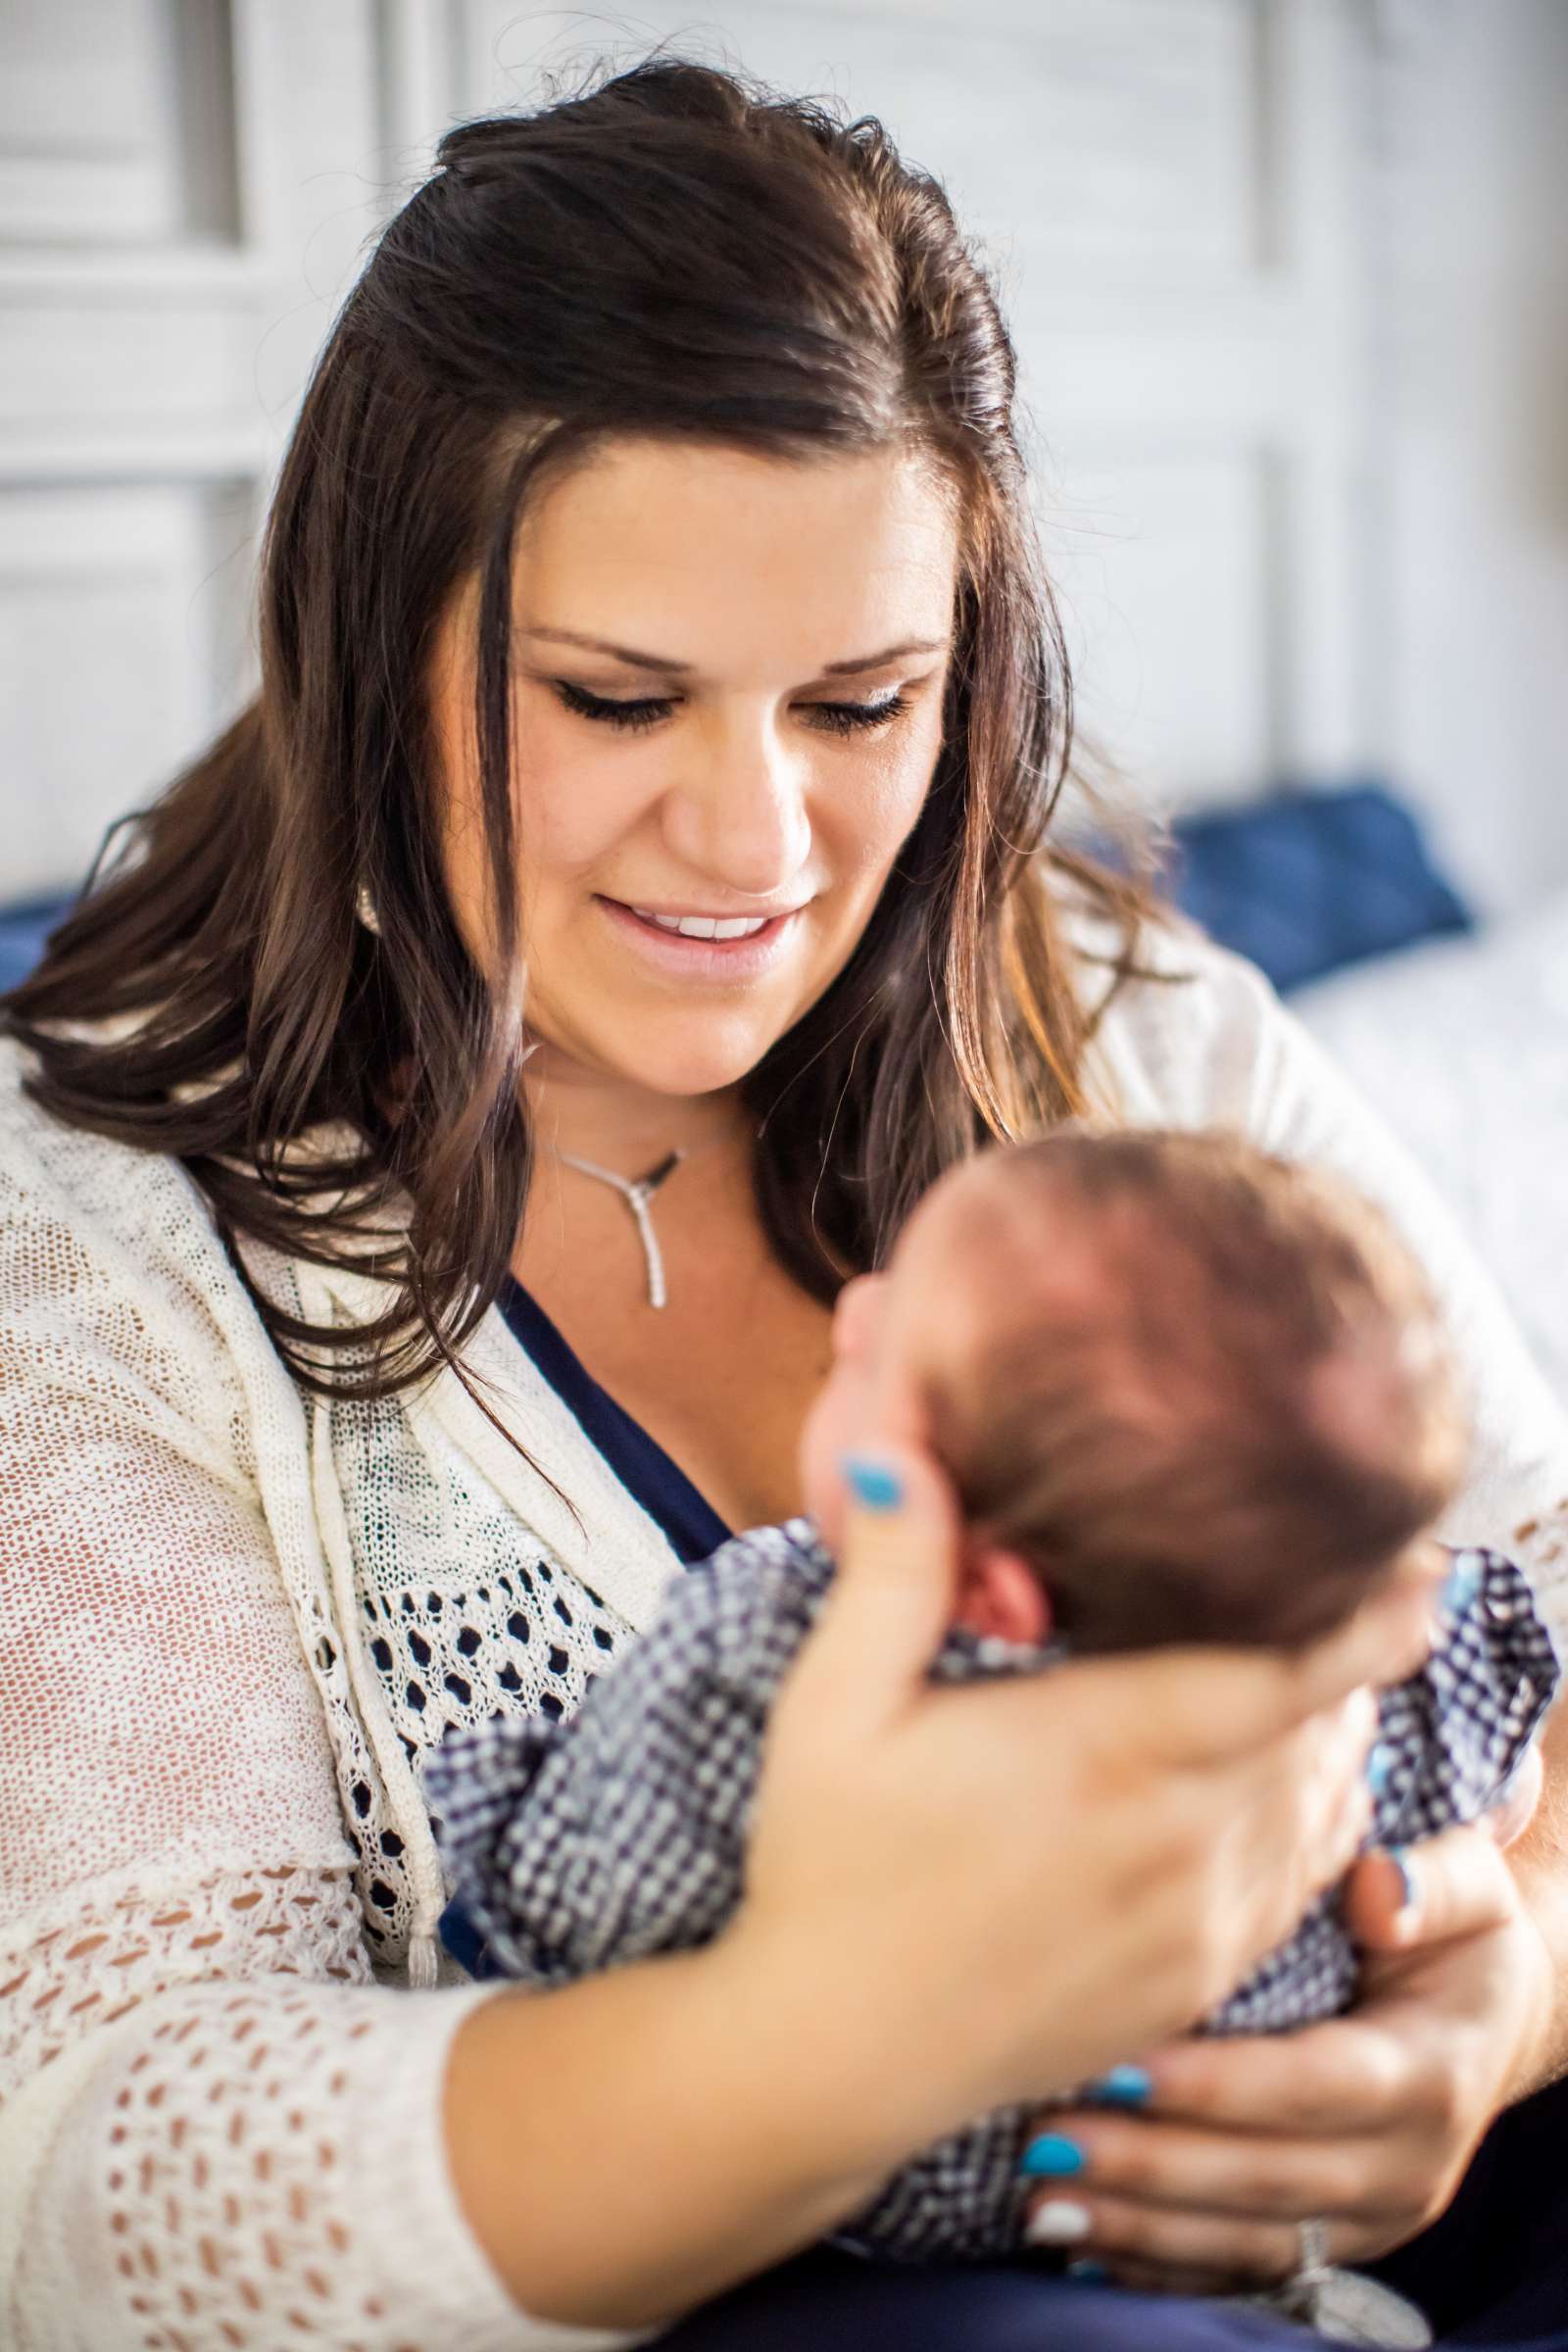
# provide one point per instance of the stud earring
(365, 908)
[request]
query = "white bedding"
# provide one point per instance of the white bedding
(1462, 1045)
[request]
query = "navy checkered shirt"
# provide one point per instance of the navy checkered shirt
(579, 1846)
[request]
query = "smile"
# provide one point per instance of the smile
(705, 926)
(703, 947)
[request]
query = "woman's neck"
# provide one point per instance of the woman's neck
(618, 1124)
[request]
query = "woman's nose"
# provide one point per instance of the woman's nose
(739, 809)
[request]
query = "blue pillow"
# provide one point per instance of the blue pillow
(1304, 884)
(23, 930)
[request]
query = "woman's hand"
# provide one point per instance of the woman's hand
(985, 1892)
(1367, 2122)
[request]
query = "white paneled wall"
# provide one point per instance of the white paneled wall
(1172, 193)
(1475, 359)
(117, 653)
(183, 187)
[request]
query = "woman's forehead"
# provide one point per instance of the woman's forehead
(704, 556)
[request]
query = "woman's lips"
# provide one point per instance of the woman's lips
(700, 959)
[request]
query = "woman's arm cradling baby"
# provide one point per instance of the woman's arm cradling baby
(760, 2088)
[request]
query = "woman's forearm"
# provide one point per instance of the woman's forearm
(1539, 1863)
(632, 2145)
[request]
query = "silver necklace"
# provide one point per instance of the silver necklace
(637, 1193)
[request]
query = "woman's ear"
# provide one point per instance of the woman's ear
(999, 1595)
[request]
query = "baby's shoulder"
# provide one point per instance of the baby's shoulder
(1454, 1734)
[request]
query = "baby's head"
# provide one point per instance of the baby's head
(1201, 1394)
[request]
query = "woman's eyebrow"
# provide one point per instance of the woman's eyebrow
(663, 663)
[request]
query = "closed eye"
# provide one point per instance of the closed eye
(835, 718)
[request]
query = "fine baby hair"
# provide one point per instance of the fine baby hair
(1201, 1390)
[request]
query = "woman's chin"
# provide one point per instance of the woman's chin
(683, 1068)
(685, 1080)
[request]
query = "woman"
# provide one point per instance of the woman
(430, 1165)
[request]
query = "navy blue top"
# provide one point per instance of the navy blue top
(691, 1524)
(646, 1471)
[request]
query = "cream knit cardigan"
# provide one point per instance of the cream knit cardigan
(231, 1616)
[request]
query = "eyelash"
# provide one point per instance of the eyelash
(835, 718)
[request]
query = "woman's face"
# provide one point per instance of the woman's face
(728, 681)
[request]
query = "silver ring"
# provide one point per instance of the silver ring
(1313, 2243)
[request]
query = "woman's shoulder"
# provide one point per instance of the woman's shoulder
(56, 1173)
(111, 1254)
(53, 1168)
(1183, 1029)
(108, 1186)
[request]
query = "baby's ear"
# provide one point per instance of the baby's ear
(999, 1595)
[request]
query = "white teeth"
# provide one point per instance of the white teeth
(705, 926)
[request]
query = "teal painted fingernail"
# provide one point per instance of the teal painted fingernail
(1410, 1885)
(873, 1484)
(1051, 2157)
(1464, 1584)
(1379, 1765)
(1088, 2274)
(1123, 2086)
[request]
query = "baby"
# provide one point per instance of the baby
(1187, 1393)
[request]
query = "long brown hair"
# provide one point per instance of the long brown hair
(673, 253)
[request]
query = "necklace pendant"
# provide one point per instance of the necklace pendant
(651, 1251)
(637, 1193)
